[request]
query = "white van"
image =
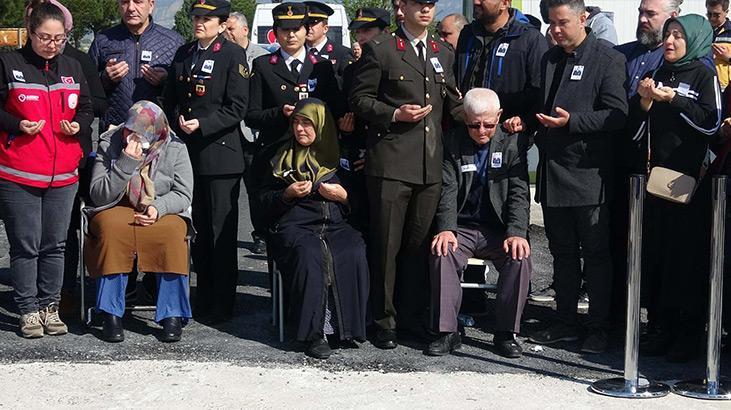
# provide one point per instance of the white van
(262, 33)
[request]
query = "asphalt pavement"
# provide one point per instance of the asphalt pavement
(250, 340)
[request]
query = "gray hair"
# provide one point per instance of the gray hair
(459, 20)
(480, 101)
(673, 5)
(241, 18)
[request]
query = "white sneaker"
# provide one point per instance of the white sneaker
(51, 321)
(30, 325)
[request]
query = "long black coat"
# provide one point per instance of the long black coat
(215, 92)
(317, 251)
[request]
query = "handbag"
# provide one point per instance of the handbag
(667, 183)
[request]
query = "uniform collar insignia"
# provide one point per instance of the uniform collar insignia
(273, 59)
(329, 48)
(217, 47)
(434, 46)
(400, 44)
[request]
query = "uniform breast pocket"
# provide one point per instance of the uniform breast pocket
(441, 84)
(397, 76)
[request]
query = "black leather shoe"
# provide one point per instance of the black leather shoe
(112, 330)
(507, 346)
(444, 345)
(385, 339)
(319, 349)
(172, 329)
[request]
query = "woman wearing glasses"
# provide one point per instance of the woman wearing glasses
(45, 102)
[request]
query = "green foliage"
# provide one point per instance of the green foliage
(183, 24)
(11, 13)
(352, 5)
(91, 16)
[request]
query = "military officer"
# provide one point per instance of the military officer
(205, 102)
(318, 42)
(367, 23)
(280, 79)
(403, 85)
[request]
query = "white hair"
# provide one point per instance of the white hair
(480, 101)
(240, 17)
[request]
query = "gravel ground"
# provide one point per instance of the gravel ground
(249, 341)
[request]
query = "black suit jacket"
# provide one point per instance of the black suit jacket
(575, 161)
(508, 184)
(389, 75)
(217, 97)
(340, 57)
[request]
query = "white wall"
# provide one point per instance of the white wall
(625, 13)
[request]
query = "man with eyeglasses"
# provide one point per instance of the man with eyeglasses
(483, 213)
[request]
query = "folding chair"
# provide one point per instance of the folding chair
(467, 320)
(87, 314)
(277, 294)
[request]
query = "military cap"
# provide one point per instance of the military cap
(318, 11)
(219, 8)
(368, 17)
(289, 15)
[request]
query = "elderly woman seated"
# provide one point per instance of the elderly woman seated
(322, 258)
(142, 186)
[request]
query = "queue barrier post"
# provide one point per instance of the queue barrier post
(713, 387)
(632, 385)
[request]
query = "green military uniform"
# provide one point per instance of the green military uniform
(403, 160)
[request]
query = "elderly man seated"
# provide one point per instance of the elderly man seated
(483, 212)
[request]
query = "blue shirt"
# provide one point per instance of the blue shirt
(478, 209)
(640, 61)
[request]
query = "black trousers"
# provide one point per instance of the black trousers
(250, 151)
(401, 216)
(573, 233)
(214, 250)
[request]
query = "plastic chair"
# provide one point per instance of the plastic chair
(87, 314)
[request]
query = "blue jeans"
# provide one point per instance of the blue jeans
(172, 295)
(36, 221)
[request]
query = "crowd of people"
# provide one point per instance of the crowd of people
(373, 174)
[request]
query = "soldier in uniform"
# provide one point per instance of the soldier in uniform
(368, 23)
(280, 79)
(205, 102)
(403, 85)
(319, 44)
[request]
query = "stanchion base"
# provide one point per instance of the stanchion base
(699, 389)
(618, 387)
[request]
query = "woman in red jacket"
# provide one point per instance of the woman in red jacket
(44, 102)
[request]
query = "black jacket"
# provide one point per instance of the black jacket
(507, 184)
(575, 161)
(215, 92)
(339, 55)
(513, 67)
(680, 130)
(390, 75)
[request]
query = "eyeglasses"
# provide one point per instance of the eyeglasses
(47, 39)
(485, 125)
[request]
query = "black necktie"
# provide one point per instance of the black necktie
(293, 66)
(196, 57)
(420, 47)
(314, 51)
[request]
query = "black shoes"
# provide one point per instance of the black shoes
(172, 329)
(259, 247)
(112, 330)
(319, 349)
(444, 345)
(385, 339)
(557, 333)
(506, 345)
(595, 342)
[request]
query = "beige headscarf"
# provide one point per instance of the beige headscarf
(317, 162)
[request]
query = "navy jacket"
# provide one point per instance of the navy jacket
(513, 66)
(156, 46)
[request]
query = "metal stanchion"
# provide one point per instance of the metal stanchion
(631, 385)
(713, 387)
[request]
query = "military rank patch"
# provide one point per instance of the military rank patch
(243, 71)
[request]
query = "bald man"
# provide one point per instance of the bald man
(450, 27)
(483, 212)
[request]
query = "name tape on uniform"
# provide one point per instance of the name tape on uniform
(468, 168)
(437, 65)
(208, 66)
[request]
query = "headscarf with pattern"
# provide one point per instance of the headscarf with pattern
(316, 162)
(148, 121)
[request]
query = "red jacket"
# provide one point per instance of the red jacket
(32, 88)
